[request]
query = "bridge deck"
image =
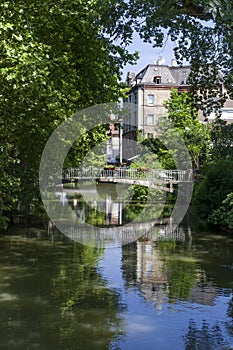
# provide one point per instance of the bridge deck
(151, 177)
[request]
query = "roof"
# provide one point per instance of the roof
(170, 76)
(228, 104)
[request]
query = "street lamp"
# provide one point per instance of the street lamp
(120, 139)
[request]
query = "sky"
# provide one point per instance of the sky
(148, 55)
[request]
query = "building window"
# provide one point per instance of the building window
(157, 79)
(150, 119)
(150, 99)
(135, 98)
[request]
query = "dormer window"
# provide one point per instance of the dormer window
(157, 79)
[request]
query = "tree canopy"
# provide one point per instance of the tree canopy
(60, 57)
(54, 60)
(200, 29)
(195, 134)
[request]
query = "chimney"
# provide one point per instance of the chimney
(130, 78)
(160, 61)
(173, 62)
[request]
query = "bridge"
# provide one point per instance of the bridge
(118, 235)
(153, 178)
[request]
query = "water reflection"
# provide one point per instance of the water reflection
(112, 204)
(111, 215)
(89, 308)
(54, 297)
(169, 289)
(102, 209)
(173, 273)
(203, 337)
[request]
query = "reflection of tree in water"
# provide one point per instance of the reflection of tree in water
(88, 307)
(182, 277)
(181, 269)
(205, 338)
(143, 198)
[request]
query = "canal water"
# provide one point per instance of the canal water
(164, 294)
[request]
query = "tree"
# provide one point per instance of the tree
(213, 190)
(54, 60)
(224, 214)
(213, 197)
(201, 31)
(184, 118)
(222, 140)
(9, 184)
(184, 115)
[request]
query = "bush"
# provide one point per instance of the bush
(213, 190)
(224, 215)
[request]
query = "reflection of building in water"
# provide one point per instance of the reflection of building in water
(113, 211)
(151, 273)
(110, 209)
(145, 268)
(203, 293)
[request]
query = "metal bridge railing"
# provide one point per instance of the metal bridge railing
(124, 173)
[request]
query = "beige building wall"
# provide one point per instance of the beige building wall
(149, 89)
(148, 113)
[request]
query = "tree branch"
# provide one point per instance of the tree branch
(190, 9)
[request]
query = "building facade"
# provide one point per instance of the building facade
(112, 144)
(148, 91)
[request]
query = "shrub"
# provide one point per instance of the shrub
(213, 190)
(224, 215)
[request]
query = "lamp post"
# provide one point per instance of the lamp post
(120, 140)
